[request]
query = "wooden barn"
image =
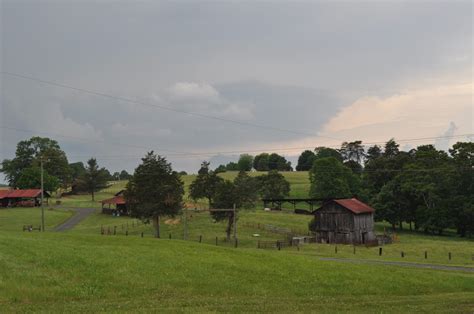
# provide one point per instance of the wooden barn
(347, 221)
(115, 205)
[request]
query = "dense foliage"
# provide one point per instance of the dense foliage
(154, 190)
(331, 179)
(92, 179)
(425, 187)
(28, 156)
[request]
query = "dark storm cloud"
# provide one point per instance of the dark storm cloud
(285, 64)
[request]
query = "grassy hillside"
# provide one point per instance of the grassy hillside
(83, 271)
(71, 273)
(299, 182)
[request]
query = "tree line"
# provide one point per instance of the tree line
(24, 170)
(424, 188)
(242, 192)
(261, 162)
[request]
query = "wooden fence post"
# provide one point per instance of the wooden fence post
(354, 249)
(216, 240)
(380, 251)
(449, 255)
(402, 254)
(170, 236)
(142, 234)
(426, 254)
(200, 238)
(335, 249)
(126, 232)
(115, 230)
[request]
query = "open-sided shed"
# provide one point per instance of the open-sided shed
(347, 221)
(27, 197)
(115, 205)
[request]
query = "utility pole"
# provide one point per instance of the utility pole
(42, 196)
(235, 224)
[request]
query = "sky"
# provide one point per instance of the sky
(255, 75)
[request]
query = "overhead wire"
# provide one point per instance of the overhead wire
(128, 100)
(174, 153)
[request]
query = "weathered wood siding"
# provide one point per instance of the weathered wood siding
(336, 224)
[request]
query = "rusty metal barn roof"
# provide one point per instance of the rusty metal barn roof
(117, 200)
(355, 206)
(28, 193)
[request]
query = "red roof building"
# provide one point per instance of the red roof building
(348, 221)
(119, 203)
(17, 197)
(355, 206)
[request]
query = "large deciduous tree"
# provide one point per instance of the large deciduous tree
(205, 184)
(273, 185)
(463, 160)
(154, 191)
(246, 188)
(225, 197)
(245, 162)
(353, 151)
(30, 178)
(305, 161)
(29, 153)
(260, 162)
(331, 179)
(279, 163)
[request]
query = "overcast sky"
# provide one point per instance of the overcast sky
(341, 70)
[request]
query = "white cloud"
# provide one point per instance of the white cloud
(191, 91)
(205, 98)
(412, 114)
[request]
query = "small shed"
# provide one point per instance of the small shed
(25, 198)
(119, 205)
(347, 221)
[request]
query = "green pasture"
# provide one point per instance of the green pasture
(67, 272)
(299, 182)
(83, 271)
(13, 219)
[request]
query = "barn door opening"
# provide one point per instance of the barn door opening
(364, 236)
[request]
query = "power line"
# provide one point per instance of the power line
(87, 139)
(197, 114)
(174, 153)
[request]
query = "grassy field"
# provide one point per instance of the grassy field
(53, 272)
(299, 182)
(83, 271)
(13, 219)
